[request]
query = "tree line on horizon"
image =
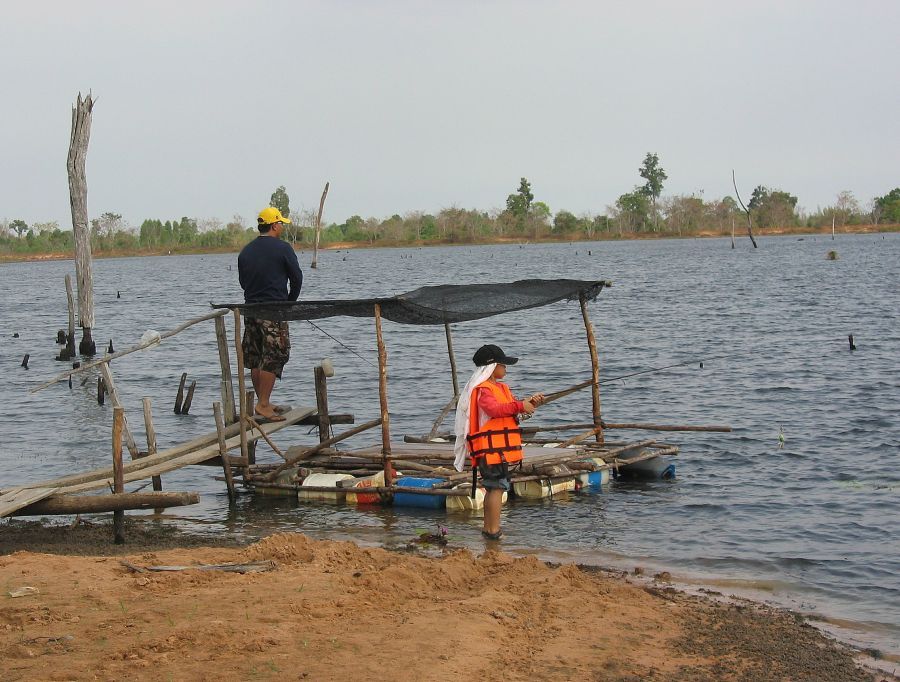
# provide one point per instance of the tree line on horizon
(642, 211)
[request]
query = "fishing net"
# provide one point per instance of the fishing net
(446, 303)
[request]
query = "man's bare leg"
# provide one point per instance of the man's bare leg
(263, 384)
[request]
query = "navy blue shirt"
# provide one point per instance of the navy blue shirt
(265, 268)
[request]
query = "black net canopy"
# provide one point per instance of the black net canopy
(441, 304)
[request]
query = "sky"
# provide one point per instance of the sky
(203, 108)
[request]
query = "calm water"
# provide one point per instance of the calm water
(812, 525)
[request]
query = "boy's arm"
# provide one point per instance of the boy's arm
(494, 408)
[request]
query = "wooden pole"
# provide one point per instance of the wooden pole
(189, 398)
(595, 369)
(114, 396)
(133, 349)
(70, 301)
(732, 232)
(315, 259)
(290, 461)
(452, 359)
(832, 228)
(225, 364)
(151, 439)
(118, 472)
(322, 403)
(223, 452)
(239, 354)
(78, 144)
(382, 397)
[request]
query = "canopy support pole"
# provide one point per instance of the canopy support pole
(452, 359)
(242, 417)
(382, 395)
(595, 369)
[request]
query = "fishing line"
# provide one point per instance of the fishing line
(340, 343)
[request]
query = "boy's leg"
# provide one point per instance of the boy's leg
(493, 498)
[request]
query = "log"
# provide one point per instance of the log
(127, 351)
(118, 472)
(382, 397)
(75, 167)
(383, 490)
(97, 504)
(581, 436)
(251, 567)
(114, 397)
(668, 427)
(316, 448)
(225, 365)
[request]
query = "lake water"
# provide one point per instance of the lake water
(811, 525)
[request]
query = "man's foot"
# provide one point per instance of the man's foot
(281, 409)
(268, 413)
(492, 536)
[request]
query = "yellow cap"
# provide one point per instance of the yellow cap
(270, 215)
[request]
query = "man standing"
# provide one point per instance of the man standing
(268, 271)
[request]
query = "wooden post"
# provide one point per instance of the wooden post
(322, 403)
(225, 364)
(452, 359)
(314, 263)
(101, 391)
(151, 438)
(179, 397)
(189, 398)
(595, 368)
(223, 451)
(249, 410)
(382, 396)
(732, 232)
(242, 391)
(114, 396)
(70, 301)
(118, 472)
(78, 144)
(832, 228)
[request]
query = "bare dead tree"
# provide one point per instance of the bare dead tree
(314, 263)
(746, 210)
(78, 144)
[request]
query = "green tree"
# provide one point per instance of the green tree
(632, 211)
(19, 226)
(281, 201)
(772, 207)
(886, 208)
(519, 203)
(654, 176)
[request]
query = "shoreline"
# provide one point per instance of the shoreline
(340, 246)
(325, 609)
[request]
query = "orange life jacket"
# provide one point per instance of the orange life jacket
(500, 439)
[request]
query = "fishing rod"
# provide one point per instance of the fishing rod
(340, 343)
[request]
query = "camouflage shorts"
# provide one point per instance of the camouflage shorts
(267, 345)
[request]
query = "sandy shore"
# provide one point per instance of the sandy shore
(333, 610)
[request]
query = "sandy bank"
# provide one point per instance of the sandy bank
(333, 610)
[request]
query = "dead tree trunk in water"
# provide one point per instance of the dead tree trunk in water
(78, 144)
(746, 210)
(315, 260)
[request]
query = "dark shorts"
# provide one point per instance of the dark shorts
(266, 345)
(494, 476)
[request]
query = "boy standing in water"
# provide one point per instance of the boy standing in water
(487, 429)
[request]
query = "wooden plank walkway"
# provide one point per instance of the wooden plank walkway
(192, 452)
(15, 499)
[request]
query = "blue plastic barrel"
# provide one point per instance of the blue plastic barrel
(416, 500)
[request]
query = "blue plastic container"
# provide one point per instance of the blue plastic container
(416, 500)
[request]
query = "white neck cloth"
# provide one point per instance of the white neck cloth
(463, 407)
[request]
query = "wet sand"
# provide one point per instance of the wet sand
(333, 610)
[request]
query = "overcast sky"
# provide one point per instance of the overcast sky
(205, 107)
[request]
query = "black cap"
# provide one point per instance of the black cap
(491, 353)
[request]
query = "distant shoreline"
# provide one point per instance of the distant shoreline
(605, 237)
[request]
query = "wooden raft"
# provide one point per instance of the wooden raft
(193, 452)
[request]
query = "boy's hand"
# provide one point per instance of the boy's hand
(537, 399)
(528, 406)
